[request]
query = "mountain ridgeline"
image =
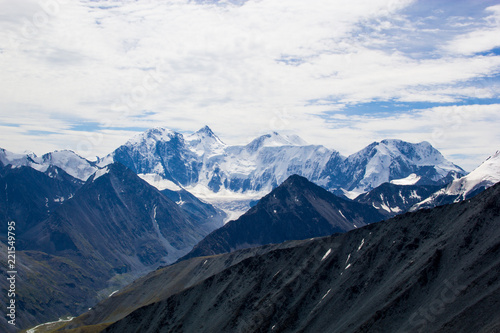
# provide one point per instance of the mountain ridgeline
(29, 196)
(430, 271)
(391, 199)
(297, 209)
(263, 164)
(230, 177)
(119, 221)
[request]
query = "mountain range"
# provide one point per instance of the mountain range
(484, 176)
(230, 177)
(164, 196)
(428, 271)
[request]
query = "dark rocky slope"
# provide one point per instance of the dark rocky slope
(114, 229)
(391, 199)
(430, 271)
(297, 209)
(28, 196)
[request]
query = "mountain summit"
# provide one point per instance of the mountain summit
(390, 160)
(484, 176)
(297, 209)
(275, 139)
(230, 177)
(204, 141)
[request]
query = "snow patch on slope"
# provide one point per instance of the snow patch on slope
(487, 174)
(160, 183)
(101, 172)
(410, 180)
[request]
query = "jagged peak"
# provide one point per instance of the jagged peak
(156, 134)
(204, 133)
(206, 130)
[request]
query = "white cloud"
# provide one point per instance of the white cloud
(483, 39)
(457, 131)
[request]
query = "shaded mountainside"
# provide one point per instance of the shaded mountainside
(28, 196)
(297, 209)
(160, 285)
(391, 200)
(430, 271)
(118, 222)
(47, 288)
(115, 228)
(211, 217)
(83, 246)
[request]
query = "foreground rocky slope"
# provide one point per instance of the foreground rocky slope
(430, 271)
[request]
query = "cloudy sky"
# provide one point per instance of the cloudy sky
(88, 74)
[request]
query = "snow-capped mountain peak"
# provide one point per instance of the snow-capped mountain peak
(204, 133)
(422, 153)
(68, 160)
(391, 159)
(275, 139)
(204, 141)
(7, 157)
(484, 176)
(71, 162)
(152, 135)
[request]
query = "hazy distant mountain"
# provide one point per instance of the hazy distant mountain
(430, 271)
(297, 209)
(67, 160)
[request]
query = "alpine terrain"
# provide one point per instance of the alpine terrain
(484, 176)
(230, 177)
(78, 242)
(297, 209)
(428, 271)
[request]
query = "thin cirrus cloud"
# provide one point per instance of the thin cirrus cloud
(86, 75)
